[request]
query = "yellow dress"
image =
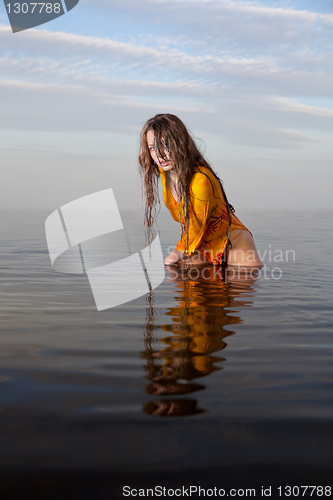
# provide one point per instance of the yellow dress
(208, 219)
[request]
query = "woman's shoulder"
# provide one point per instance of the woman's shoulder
(203, 176)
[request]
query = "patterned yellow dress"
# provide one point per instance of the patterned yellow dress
(208, 220)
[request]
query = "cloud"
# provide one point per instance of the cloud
(91, 78)
(254, 8)
(269, 122)
(93, 56)
(236, 72)
(225, 18)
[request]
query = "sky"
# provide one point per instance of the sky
(252, 80)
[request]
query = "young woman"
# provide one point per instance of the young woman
(210, 232)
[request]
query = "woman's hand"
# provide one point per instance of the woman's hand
(174, 257)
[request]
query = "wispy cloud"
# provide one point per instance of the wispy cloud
(97, 56)
(244, 60)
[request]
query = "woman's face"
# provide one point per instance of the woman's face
(164, 162)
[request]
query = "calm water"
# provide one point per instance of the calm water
(212, 381)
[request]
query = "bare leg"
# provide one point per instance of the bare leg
(243, 251)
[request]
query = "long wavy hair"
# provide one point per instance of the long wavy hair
(170, 134)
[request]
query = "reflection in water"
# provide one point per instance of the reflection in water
(205, 303)
(172, 407)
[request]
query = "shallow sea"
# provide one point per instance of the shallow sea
(215, 381)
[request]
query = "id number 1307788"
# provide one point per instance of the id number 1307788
(31, 7)
(302, 491)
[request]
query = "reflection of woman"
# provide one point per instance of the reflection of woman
(194, 195)
(172, 408)
(195, 334)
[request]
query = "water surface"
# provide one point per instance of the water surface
(226, 380)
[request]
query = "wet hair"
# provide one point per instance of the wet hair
(171, 134)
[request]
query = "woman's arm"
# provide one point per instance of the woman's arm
(200, 208)
(201, 203)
